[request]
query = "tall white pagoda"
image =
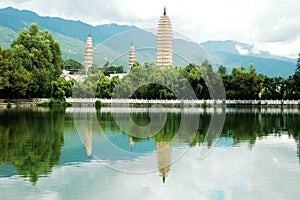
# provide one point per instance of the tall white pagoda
(131, 56)
(88, 58)
(164, 42)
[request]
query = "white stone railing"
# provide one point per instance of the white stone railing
(185, 101)
(228, 110)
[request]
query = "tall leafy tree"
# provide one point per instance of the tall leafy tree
(293, 83)
(14, 78)
(273, 88)
(41, 55)
(192, 74)
(245, 84)
(297, 78)
(104, 89)
(61, 88)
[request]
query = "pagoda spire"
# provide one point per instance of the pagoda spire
(165, 11)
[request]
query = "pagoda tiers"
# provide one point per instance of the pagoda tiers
(131, 56)
(88, 58)
(164, 156)
(164, 42)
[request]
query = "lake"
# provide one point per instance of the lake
(150, 153)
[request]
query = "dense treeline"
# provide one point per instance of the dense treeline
(113, 70)
(239, 84)
(95, 85)
(243, 84)
(172, 83)
(33, 65)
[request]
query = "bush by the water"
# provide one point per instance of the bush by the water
(98, 104)
(55, 103)
(9, 105)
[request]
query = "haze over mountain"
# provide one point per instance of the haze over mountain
(111, 43)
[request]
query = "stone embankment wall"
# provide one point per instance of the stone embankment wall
(23, 102)
(189, 103)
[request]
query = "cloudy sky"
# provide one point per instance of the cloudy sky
(271, 25)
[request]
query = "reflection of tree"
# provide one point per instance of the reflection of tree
(107, 123)
(202, 129)
(250, 126)
(245, 126)
(292, 125)
(170, 129)
(31, 141)
(273, 123)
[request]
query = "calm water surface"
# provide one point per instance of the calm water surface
(123, 153)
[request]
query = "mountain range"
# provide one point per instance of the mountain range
(111, 44)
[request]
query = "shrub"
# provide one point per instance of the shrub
(9, 105)
(54, 103)
(98, 104)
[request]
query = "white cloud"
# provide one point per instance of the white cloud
(274, 22)
(288, 49)
(241, 50)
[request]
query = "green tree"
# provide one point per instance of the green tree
(104, 89)
(41, 55)
(61, 88)
(205, 82)
(73, 65)
(297, 79)
(273, 88)
(298, 65)
(291, 88)
(14, 78)
(113, 70)
(222, 70)
(244, 84)
(192, 73)
(213, 85)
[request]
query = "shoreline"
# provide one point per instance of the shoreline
(33, 102)
(184, 103)
(77, 102)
